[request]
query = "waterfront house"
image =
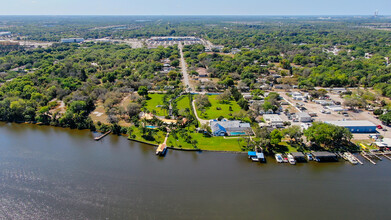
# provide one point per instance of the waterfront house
(229, 128)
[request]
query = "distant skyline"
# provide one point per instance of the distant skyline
(194, 7)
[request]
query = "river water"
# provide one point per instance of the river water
(56, 173)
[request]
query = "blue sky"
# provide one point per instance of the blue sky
(194, 7)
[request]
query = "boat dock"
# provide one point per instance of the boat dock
(366, 156)
(386, 156)
(162, 148)
(359, 161)
(102, 136)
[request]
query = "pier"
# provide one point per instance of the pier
(366, 156)
(359, 161)
(102, 136)
(386, 156)
(162, 148)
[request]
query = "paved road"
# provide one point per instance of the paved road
(186, 80)
(202, 121)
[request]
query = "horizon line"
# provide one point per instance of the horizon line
(330, 15)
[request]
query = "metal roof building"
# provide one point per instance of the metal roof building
(231, 128)
(356, 126)
(273, 120)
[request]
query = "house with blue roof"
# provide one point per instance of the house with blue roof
(229, 128)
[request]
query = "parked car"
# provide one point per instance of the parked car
(379, 127)
(384, 129)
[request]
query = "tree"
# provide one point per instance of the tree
(328, 136)
(142, 90)
(202, 102)
(275, 137)
(133, 109)
(175, 63)
(294, 132)
(386, 118)
(225, 97)
(243, 103)
(378, 111)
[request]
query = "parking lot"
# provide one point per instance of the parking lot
(334, 116)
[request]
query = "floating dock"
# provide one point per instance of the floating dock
(102, 136)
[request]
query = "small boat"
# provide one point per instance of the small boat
(309, 157)
(291, 159)
(278, 158)
(349, 157)
(353, 160)
(285, 159)
(261, 157)
(254, 159)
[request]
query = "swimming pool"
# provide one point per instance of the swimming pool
(151, 127)
(238, 133)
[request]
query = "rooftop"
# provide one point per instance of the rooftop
(356, 123)
(297, 154)
(272, 117)
(323, 154)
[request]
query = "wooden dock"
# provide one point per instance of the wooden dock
(386, 156)
(102, 136)
(366, 156)
(162, 148)
(359, 161)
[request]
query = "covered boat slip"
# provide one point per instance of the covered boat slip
(256, 156)
(323, 156)
(299, 156)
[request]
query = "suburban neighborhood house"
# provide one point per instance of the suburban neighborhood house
(229, 128)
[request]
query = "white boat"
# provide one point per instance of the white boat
(278, 158)
(255, 159)
(352, 159)
(291, 159)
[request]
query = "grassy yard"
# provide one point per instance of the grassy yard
(213, 113)
(158, 137)
(155, 100)
(183, 103)
(207, 143)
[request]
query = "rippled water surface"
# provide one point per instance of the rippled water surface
(55, 173)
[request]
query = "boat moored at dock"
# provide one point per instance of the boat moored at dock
(291, 159)
(278, 158)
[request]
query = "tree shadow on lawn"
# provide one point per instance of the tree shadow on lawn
(280, 148)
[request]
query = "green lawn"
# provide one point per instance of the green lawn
(183, 103)
(158, 137)
(207, 143)
(155, 100)
(213, 113)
